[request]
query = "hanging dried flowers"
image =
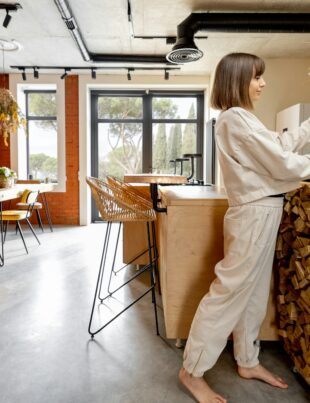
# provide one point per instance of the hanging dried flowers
(11, 117)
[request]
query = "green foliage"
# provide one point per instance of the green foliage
(43, 104)
(189, 139)
(7, 172)
(163, 108)
(125, 139)
(120, 108)
(43, 166)
(160, 150)
(175, 142)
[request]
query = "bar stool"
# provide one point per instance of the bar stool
(133, 192)
(174, 166)
(181, 160)
(117, 205)
(192, 157)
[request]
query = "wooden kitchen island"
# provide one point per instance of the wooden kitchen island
(191, 243)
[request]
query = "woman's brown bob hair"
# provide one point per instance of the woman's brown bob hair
(232, 80)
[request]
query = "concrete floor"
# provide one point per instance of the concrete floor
(47, 356)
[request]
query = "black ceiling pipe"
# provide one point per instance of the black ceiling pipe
(68, 17)
(185, 49)
(114, 58)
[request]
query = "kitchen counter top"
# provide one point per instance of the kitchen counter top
(193, 195)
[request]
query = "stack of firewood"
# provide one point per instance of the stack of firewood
(293, 264)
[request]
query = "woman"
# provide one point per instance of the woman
(258, 166)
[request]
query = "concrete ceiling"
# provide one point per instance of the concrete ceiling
(45, 39)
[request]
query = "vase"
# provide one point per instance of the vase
(6, 182)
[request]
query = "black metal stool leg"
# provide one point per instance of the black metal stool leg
(152, 277)
(22, 236)
(47, 211)
(104, 257)
(156, 256)
(39, 220)
(32, 230)
(5, 229)
(114, 258)
(99, 279)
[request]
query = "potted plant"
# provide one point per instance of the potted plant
(7, 177)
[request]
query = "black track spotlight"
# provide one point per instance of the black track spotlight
(128, 75)
(65, 74)
(166, 75)
(24, 75)
(93, 74)
(7, 19)
(35, 72)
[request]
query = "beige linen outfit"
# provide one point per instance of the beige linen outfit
(255, 163)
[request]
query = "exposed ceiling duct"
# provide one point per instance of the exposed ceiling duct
(67, 16)
(185, 49)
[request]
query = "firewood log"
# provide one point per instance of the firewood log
(292, 261)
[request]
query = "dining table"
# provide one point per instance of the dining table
(14, 192)
(154, 180)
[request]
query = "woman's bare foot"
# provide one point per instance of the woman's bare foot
(261, 373)
(199, 388)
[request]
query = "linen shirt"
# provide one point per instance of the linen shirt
(257, 162)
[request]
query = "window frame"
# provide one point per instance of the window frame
(18, 143)
(36, 118)
(147, 125)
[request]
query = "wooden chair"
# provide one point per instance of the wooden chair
(116, 205)
(18, 216)
(38, 205)
(24, 205)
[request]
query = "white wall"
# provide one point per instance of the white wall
(287, 83)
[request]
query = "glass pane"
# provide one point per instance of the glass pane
(42, 104)
(171, 141)
(174, 108)
(119, 149)
(43, 149)
(120, 108)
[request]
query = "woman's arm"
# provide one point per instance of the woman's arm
(260, 152)
(295, 140)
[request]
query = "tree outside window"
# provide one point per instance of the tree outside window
(42, 134)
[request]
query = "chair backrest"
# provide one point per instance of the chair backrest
(131, 191)
(115, 204)
(29, 197)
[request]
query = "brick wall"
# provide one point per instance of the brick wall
(64, 207)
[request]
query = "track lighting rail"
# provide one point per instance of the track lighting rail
(93, 70)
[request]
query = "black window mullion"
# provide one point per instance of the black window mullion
(174, 121)
(41, 117)
(147, 134)
(27, 141)
(200, 123)
(94, 150)
(120, 120)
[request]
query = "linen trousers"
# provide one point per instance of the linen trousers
(237, 299)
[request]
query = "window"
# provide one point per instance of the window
(41, 115)
(135, 132)
(174, 131)
(139, 131)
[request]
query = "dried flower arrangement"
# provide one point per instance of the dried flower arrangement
(11, 118)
